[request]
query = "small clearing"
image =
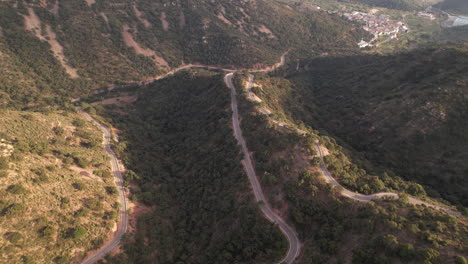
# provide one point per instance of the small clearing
(140, 17)
(267, 31)
(131, 43)
(164, 22)
(90, 2)
(103, 15)
(55, 9)
(120, 101)
(57, 49)
(33, 24)
(182, 20)
(221, 16)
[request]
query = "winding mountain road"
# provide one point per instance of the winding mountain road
(376, 196)
(294, 243)
(123, 223)
(329, 178)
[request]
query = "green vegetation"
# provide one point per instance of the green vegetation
(455, 6)
(181, 152)
(335, 229)
(396, 4)
(38, 193)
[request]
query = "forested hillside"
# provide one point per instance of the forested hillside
(335, 229)
(177, 143)
(405, 112)
(454, 6)
(68, 47)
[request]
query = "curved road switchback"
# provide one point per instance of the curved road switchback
(329, 178)
(123, 223)
(294, 243)
(376, 196)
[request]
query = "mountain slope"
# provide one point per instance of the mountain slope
(406, 112)
(70, 46)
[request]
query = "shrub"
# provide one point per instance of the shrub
(47, 231)
(79, 232)
(16, 189)
(79, 122)
(111, 190)
(78, 186)
(58, 131)
(13, 237)
(460, 260)
(42, 175)
(82, 162)
(102, 173)
(13, 210)
(406, 251)
(62, 260)
(94, 204)
(429, 254)
(4, 163)
(81, 212)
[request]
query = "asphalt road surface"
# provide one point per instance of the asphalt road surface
(294, 243)
(123, 223)
(367, 198)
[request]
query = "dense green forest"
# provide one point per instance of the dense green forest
(404, 112)
(335, 229)
(178, 145)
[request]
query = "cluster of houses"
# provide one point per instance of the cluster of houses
(377, 25)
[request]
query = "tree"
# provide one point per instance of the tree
(460, 260)
(406, 251)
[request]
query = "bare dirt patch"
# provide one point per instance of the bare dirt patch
(33, 24)
(85, 173)
(103, 15)
(182, 20)
(90, 2)
(140, 17)
(57, 49)
(120, 101)
(137, 209)
(130, 42)
(164, 22)
(267, 31)
(55, 9)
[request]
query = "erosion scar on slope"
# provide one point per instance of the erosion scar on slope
(131, 43)
(33, 24)
(164, 22)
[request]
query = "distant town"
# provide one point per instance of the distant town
(377, 25)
